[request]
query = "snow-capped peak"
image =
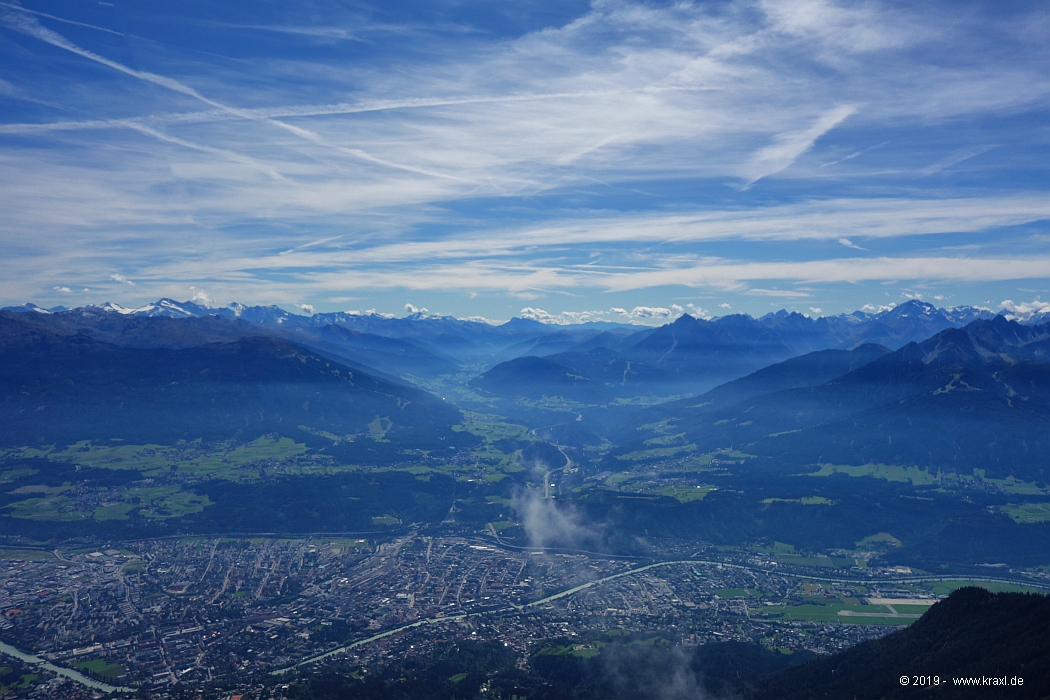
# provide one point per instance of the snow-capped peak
(28, 306)
(110, 307)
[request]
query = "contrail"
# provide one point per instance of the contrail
(59, 19)
(262, 113)
(232, 155)
(27, 25)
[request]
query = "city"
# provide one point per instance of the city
(222, 614)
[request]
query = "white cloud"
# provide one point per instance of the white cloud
(644, 312)
(308, 308)
(369, 312)
(662, 85)
(628, 94)
(955, 159)
(63, 290)
(1026, 311)
(59, 19)
(551, 523)
(117, 277)
(561, 319)
(778, 293)
(200, 297)
(485, 320)
(412, 309)
(697, 311)
(28, 25)
(816, 310)
(725, 306)
(787, 147)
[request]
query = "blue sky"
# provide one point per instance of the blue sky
(606, 160)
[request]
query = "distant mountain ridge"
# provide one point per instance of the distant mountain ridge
(60, 388)
(975, 397)
(690, 355)
(609, 360)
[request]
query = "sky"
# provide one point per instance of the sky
(561, 160)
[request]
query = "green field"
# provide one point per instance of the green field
(42, 489)
(913, 475)
(778, 548)
(26, 554)
(175, 504)
(685, 494)
(385, 519)
(229, 461)
(1010, 484)
(60, 508)
(118, 511)
(100, 668)
(664, 439)
(222, 460)
(492, 429)
(379, 427)
(737, 593)
(12, 474)
(585, 651)
(867, 614)
(133, 567)
(154, 502)
(682, 492)
(1028, 512)
(805, 500)
(657, 452)
(9, 681)
(879, 539)
(946, 587)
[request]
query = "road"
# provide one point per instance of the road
(547, 476)
(642, 569)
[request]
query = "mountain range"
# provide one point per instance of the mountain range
(691, 355)
(701, 353)
(154, 388)
(952, 389)
(975, 397)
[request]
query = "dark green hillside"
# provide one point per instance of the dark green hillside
(703, 354)
(63, 389)
(125, 330)
(811, 369)
(965, 399)
(608, 667)
(390, 355)
(959, 432)
(622, 376)
(972, 633)
(536, 377)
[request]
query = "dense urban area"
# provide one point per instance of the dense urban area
(244, 615)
